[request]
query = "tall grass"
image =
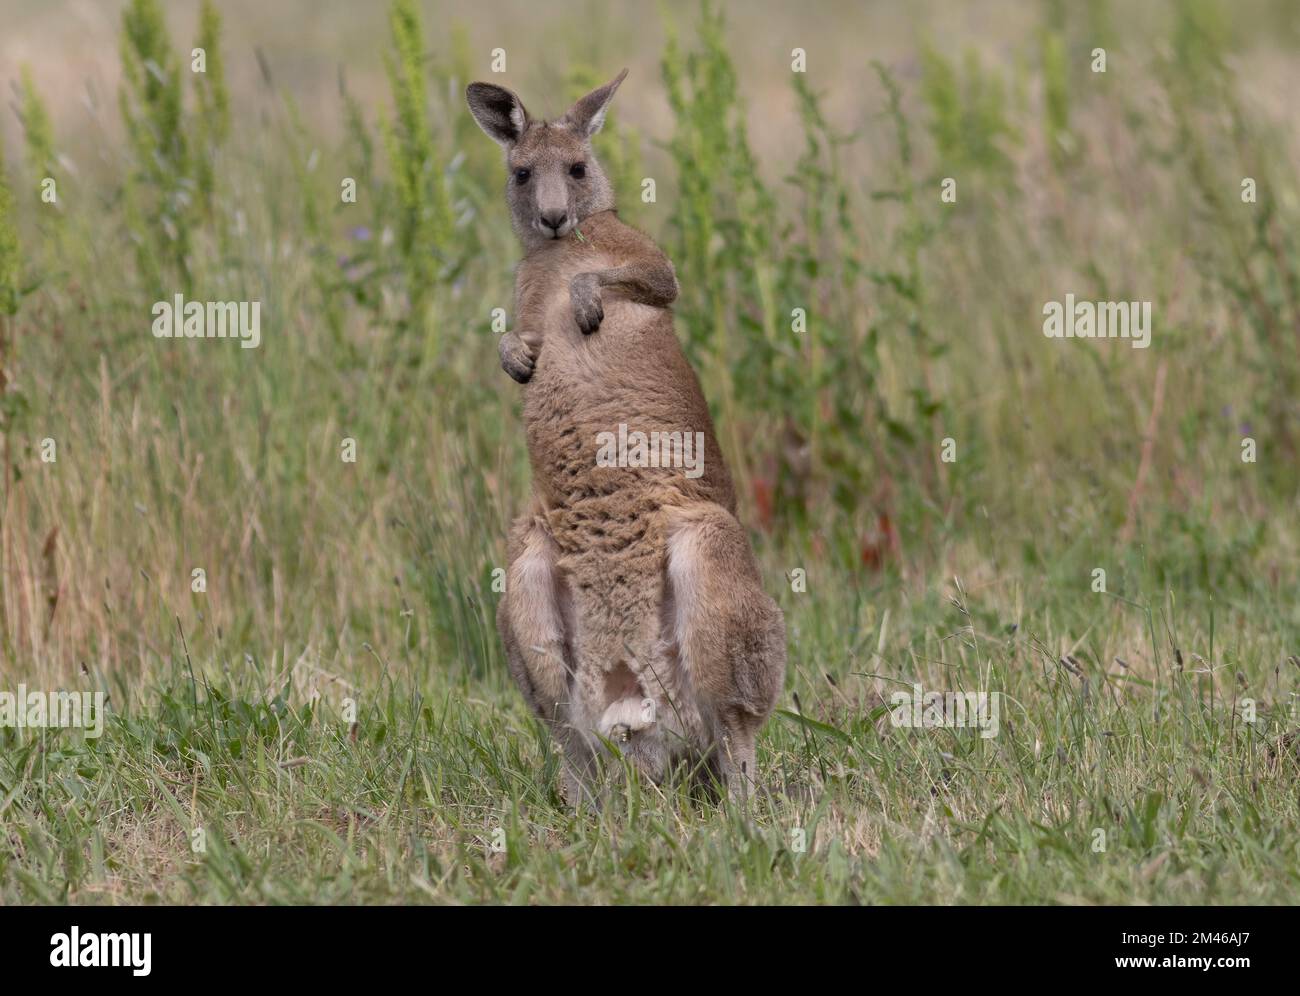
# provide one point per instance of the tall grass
(921, 324)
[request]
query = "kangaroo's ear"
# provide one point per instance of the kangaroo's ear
(498, 112)
(588, 114)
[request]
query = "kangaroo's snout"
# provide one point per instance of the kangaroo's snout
(556, 221)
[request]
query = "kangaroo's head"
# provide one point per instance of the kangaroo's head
(554, 180)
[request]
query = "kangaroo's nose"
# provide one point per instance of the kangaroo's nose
(554, 219)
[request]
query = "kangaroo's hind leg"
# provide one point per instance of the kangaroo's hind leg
(534, 618)
(729, 634)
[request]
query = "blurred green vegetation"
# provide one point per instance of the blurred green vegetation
(844, 322)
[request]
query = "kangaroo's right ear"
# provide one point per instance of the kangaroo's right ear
(588, 114)
(498, 112)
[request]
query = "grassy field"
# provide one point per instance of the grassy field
(328, 718)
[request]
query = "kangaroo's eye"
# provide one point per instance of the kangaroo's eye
(578, 171)
(522, 175)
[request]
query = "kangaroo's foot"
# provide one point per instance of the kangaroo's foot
(531, 619)
(625, 717)
(731, 635)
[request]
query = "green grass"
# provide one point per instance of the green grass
(299, 806)
(334, 585)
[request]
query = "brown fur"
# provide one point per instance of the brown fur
(634, 608)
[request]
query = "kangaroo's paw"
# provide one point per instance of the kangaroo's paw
(588, 312)
(516, 358)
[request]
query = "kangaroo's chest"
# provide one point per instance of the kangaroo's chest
(544, 309)
(611, 417)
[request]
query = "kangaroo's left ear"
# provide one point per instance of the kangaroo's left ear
(498, 112)
(588, 114)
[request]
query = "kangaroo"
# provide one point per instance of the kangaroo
(634, 616)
